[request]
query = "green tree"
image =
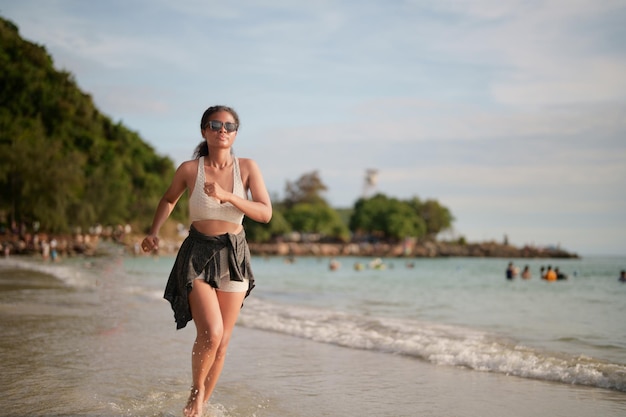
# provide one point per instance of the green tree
(386, 218)
(40, 180)
(317, 218)
(436, 217)
(62, 162)
(264, 232)
(307, 189)
(307, 211)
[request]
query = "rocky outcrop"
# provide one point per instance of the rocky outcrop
(420, 250)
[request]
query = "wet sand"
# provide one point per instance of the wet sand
(299, 377)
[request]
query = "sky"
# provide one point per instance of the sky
(511, 113)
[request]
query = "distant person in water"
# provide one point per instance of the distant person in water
(511, 271)
(550, 274)
(622, 276)
(526, 272)
(560, 275)
(211, 275)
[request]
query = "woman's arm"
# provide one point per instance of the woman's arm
(166, 205)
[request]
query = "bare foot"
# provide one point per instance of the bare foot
(194, 403)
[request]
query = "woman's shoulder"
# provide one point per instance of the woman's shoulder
(190, 166)
(246, 162)
(248, 166)
(190, 163)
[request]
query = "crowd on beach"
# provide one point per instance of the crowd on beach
(23, 240)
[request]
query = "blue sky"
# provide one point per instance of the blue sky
(512, 113)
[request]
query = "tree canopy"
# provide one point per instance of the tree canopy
(436, 217)
(307, 189)
(62, 162)
(307, 211)
(387, 218)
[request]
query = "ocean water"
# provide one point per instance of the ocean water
(445, 337)
(458, 311)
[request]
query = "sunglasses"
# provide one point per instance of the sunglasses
(216, 126)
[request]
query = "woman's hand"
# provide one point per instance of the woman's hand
(213, 189)
(150, 243)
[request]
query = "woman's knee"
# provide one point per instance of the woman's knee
(215, 333)
(223, 347)
(209, 335)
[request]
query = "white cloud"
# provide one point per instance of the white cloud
(542, 52)
(575, 81)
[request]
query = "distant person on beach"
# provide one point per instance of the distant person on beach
(211, 275)
(622, 276)
(45, 250)
(53, 249)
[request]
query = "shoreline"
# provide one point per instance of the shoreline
(416, 250)
(84, 245)
(406, 250)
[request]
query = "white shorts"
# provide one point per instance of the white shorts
(225, 284)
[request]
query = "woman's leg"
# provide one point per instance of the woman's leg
(205, 310)
(230, 305)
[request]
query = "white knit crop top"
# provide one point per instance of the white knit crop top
(203, 207)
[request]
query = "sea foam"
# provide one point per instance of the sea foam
(436, 343)
(67, 274)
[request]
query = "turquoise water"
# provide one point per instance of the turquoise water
(452, 311)
(459, 311)
(93, 337)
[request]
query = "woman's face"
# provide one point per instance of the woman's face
(221, 130)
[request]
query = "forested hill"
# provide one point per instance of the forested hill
(62, 162)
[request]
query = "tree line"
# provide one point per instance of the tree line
(304, 210)
(63, 164)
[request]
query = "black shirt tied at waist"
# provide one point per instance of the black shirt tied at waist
(199, 255)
